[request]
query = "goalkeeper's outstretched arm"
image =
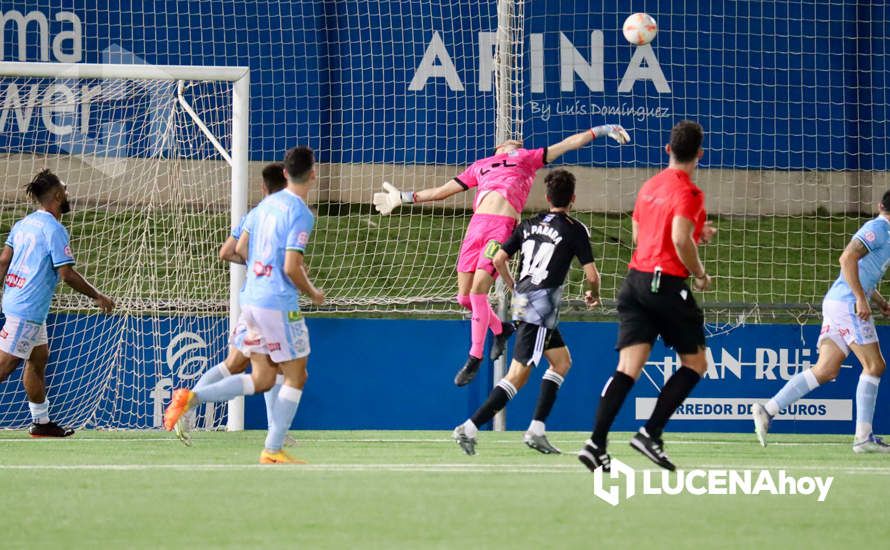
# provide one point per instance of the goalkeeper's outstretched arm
(391, 198)
(579, 140)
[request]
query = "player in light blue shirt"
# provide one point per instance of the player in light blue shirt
(279, 224)
(275, 237)
(847, 325)
(36, 255)
(874, 243)
(237, 362)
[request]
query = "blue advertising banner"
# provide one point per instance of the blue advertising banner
(397, 374)
(777, 85)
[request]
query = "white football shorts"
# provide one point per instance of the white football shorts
(18, 337)
(282, 335)
(841, 325)
(236, 340)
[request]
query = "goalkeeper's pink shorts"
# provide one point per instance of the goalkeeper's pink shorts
(485, 235)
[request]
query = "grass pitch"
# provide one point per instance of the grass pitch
(416, 490)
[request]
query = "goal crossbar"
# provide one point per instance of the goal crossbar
(111, 71)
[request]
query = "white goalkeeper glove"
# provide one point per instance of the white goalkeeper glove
(614, 131)
(391, 198)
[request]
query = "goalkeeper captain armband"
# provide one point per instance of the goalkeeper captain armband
(407, 197)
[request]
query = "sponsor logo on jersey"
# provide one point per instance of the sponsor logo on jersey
(68, 251)
(262, 270)
(303, 238)
(14, 281)
(869, 236)
(274, 346)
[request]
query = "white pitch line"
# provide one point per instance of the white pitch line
(428, 468)
(418, 440)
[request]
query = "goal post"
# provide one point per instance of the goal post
(508, 125)
(156, 162)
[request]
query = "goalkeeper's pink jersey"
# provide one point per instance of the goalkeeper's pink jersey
(509, 174)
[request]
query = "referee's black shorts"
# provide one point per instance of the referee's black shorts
(532, 341)
(671, 313)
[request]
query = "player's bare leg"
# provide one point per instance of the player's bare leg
(34, 381)
(8, 363)
(560, 361)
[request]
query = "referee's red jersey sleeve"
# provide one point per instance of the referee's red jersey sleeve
(690, 203)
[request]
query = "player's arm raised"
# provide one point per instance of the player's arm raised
(391, 198)
(76, 281)
(579, 140)
(849, 261)
(296, 270)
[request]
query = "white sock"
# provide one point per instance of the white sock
(283, 412)
(212, 376)
(39, 411)
(470, 429)
(866, 396)
(270, 396)
(800, 384)
(536, 427)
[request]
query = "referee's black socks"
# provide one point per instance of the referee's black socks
(674, 392)
(614, 393)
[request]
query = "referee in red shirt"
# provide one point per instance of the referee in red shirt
(668, 224)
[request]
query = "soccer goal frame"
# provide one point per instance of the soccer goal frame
(237, 158)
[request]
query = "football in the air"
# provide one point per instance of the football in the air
(640, 29)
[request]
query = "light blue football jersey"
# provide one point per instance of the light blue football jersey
(281, 222)
(875, 235)
(39, 247)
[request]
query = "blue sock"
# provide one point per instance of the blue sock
(270, 397)
(800, 384)
(212, 376)
(866, 395)
(227, 388)
(283, 414)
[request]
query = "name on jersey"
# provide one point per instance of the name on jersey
(14, 281)
(545, 230)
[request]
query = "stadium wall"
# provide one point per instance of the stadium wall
(729, 192)
(361, 377)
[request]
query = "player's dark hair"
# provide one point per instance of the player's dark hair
(273, 177)
(686, 138)
(44, 183)
(560, 187)
(885, 201)
(298, 163)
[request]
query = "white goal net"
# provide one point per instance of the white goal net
(151, 203)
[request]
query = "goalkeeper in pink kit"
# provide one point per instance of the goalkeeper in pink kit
(503, 183)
